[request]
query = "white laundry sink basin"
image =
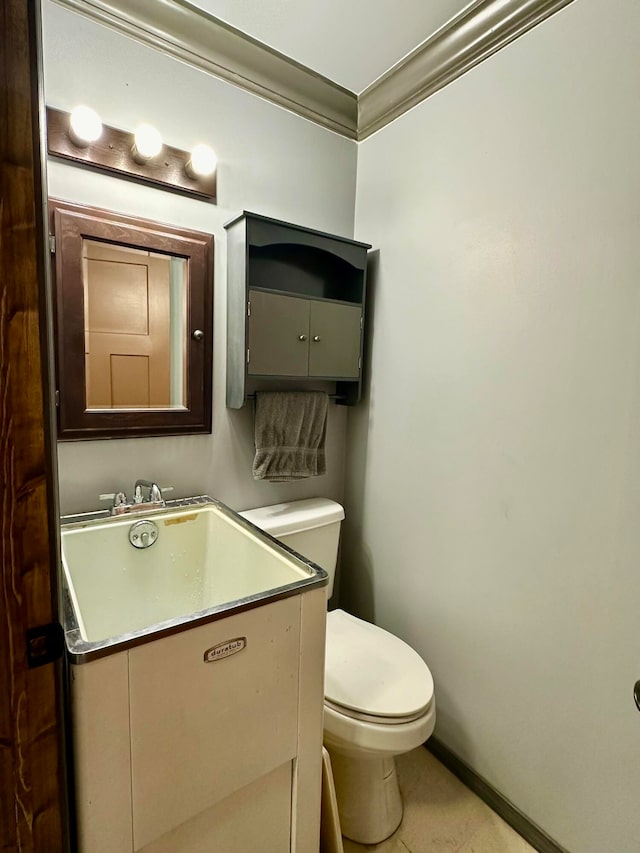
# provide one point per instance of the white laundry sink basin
(205, 562)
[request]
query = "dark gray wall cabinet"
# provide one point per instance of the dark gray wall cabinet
(295, 302)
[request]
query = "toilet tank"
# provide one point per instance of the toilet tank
(311, 527)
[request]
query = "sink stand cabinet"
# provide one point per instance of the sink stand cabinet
(173, 752)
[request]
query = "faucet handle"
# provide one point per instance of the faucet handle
(119, 503)
(118, 498)
(154, 496)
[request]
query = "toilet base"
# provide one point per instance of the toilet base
(369, 801)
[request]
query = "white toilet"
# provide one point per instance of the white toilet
(379, 698)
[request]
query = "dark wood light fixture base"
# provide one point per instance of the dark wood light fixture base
(112, 153)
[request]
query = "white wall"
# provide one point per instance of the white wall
(270, 161)
(493, 484)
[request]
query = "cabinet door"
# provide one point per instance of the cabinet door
(334, 340)
(255, 818)
(278, 335)
(202, 730)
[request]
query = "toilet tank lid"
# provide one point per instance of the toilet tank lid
(295, 516)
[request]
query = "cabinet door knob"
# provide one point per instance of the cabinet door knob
(197, 334)
(316, 338)
(302, 337)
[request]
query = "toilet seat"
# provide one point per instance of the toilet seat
(372, 718)
(372, 675)
(361, 738)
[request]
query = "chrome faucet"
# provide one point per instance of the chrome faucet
(153, 500)
(154, 495)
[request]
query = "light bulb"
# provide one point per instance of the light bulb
(84, 126)
(148, 143)
(202, 163)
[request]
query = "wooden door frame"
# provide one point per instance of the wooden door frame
(32, 768)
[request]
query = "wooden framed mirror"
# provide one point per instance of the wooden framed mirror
(133, 317)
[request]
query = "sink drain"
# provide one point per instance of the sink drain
(143, 534)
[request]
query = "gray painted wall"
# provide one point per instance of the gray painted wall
(492, 481)
(270, 161)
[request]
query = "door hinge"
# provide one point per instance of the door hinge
(361, 323)
(57, 398)
(52, 244)
(248, 309)
(44, 644)
(248, 355)
(359, 363)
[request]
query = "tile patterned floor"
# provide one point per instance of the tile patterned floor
(441, 815)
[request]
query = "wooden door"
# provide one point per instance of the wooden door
(278, 335)
(31, 779)
(334, 340)
(127, 342)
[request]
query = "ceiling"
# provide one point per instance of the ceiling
(352, 42)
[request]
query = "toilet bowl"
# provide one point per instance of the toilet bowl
(379, 695)
(378, 704)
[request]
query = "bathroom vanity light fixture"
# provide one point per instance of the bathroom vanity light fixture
(81, 137)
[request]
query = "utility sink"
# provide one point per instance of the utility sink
(196, 663)
(135, 577)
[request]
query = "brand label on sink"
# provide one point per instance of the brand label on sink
(225, 650)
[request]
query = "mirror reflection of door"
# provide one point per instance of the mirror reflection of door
(135, 305)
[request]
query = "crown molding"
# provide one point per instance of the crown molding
(189, 34)
(476, 33)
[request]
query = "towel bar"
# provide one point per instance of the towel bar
(330, 396)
